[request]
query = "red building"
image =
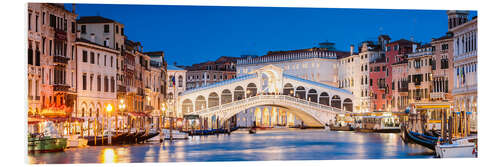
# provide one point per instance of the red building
(381, 83)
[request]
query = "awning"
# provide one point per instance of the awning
(138, 114)
(38, 119)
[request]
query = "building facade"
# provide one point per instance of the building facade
(176, 84)
(51, 59)
(442, 72)
(420, 73)
(465, 66)
(206, 73)
(96, 80)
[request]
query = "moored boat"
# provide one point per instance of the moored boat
(75, 141)
(461, 148)
(46, 144)
(48, 141)
(176, 135)
(341, 128)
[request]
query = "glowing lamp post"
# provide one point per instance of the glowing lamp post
(109, 109)
(121, 107)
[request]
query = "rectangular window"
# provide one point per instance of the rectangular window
(111, 60)
(104, 60)
(29, 21)
(91, 81)
(84, 56)
(84, 81)
(50, 47)
(43, 46)
(92, 58)
(84, 29)
(116, 30)
(36, 24)
(99, 83)
(121, 31)
(106, 28)
(73, 27)
(43, 18)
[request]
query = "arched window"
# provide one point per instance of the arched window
(180, 80)
(112, 84)
(106, 84)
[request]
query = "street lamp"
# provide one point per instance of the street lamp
(109, 108)
(162, 113)
(121, 107)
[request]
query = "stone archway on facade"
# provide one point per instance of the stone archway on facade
(288, 89)
(226, 96)
(200, 103)
(324, 98)
(239, 93)
(213, 99)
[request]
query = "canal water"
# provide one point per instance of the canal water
(265, 145)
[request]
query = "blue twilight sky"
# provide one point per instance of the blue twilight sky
(194, 34)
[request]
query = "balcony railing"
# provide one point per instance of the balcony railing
(122, 88)
(61, 88)
(438, 95)
(60, 59)
(60, 34)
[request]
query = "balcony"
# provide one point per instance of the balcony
(140, 91)
(60, 88)
(465, 89)
(122, 89)
(438, 95)
(60, 59)
(60, 34)
(403, 89)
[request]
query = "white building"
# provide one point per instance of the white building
(96, 82)
(174, 91)
(315, 64)
(102, 31)
(464, 65)
(353, 79)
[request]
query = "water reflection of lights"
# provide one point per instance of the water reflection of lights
(108, 155)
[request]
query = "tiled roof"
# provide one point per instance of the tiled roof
(93, 19)
(172, 67)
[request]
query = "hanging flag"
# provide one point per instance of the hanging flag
(173, 80)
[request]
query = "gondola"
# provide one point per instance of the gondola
(421, 139)
(146, 137)
(341, 128)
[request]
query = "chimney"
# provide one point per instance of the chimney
(352, 49)
(73, 7)
(92, 37)
(411, 38)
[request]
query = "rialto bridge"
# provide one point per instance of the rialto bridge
(313, 102)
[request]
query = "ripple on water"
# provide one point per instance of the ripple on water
(282, 145)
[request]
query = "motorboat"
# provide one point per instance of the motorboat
(460, 148)
(176, 135)
(48, 141)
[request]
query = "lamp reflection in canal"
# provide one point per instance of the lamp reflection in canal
(108, 155)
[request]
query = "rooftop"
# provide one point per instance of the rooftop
(94, 19)
(174, 68)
